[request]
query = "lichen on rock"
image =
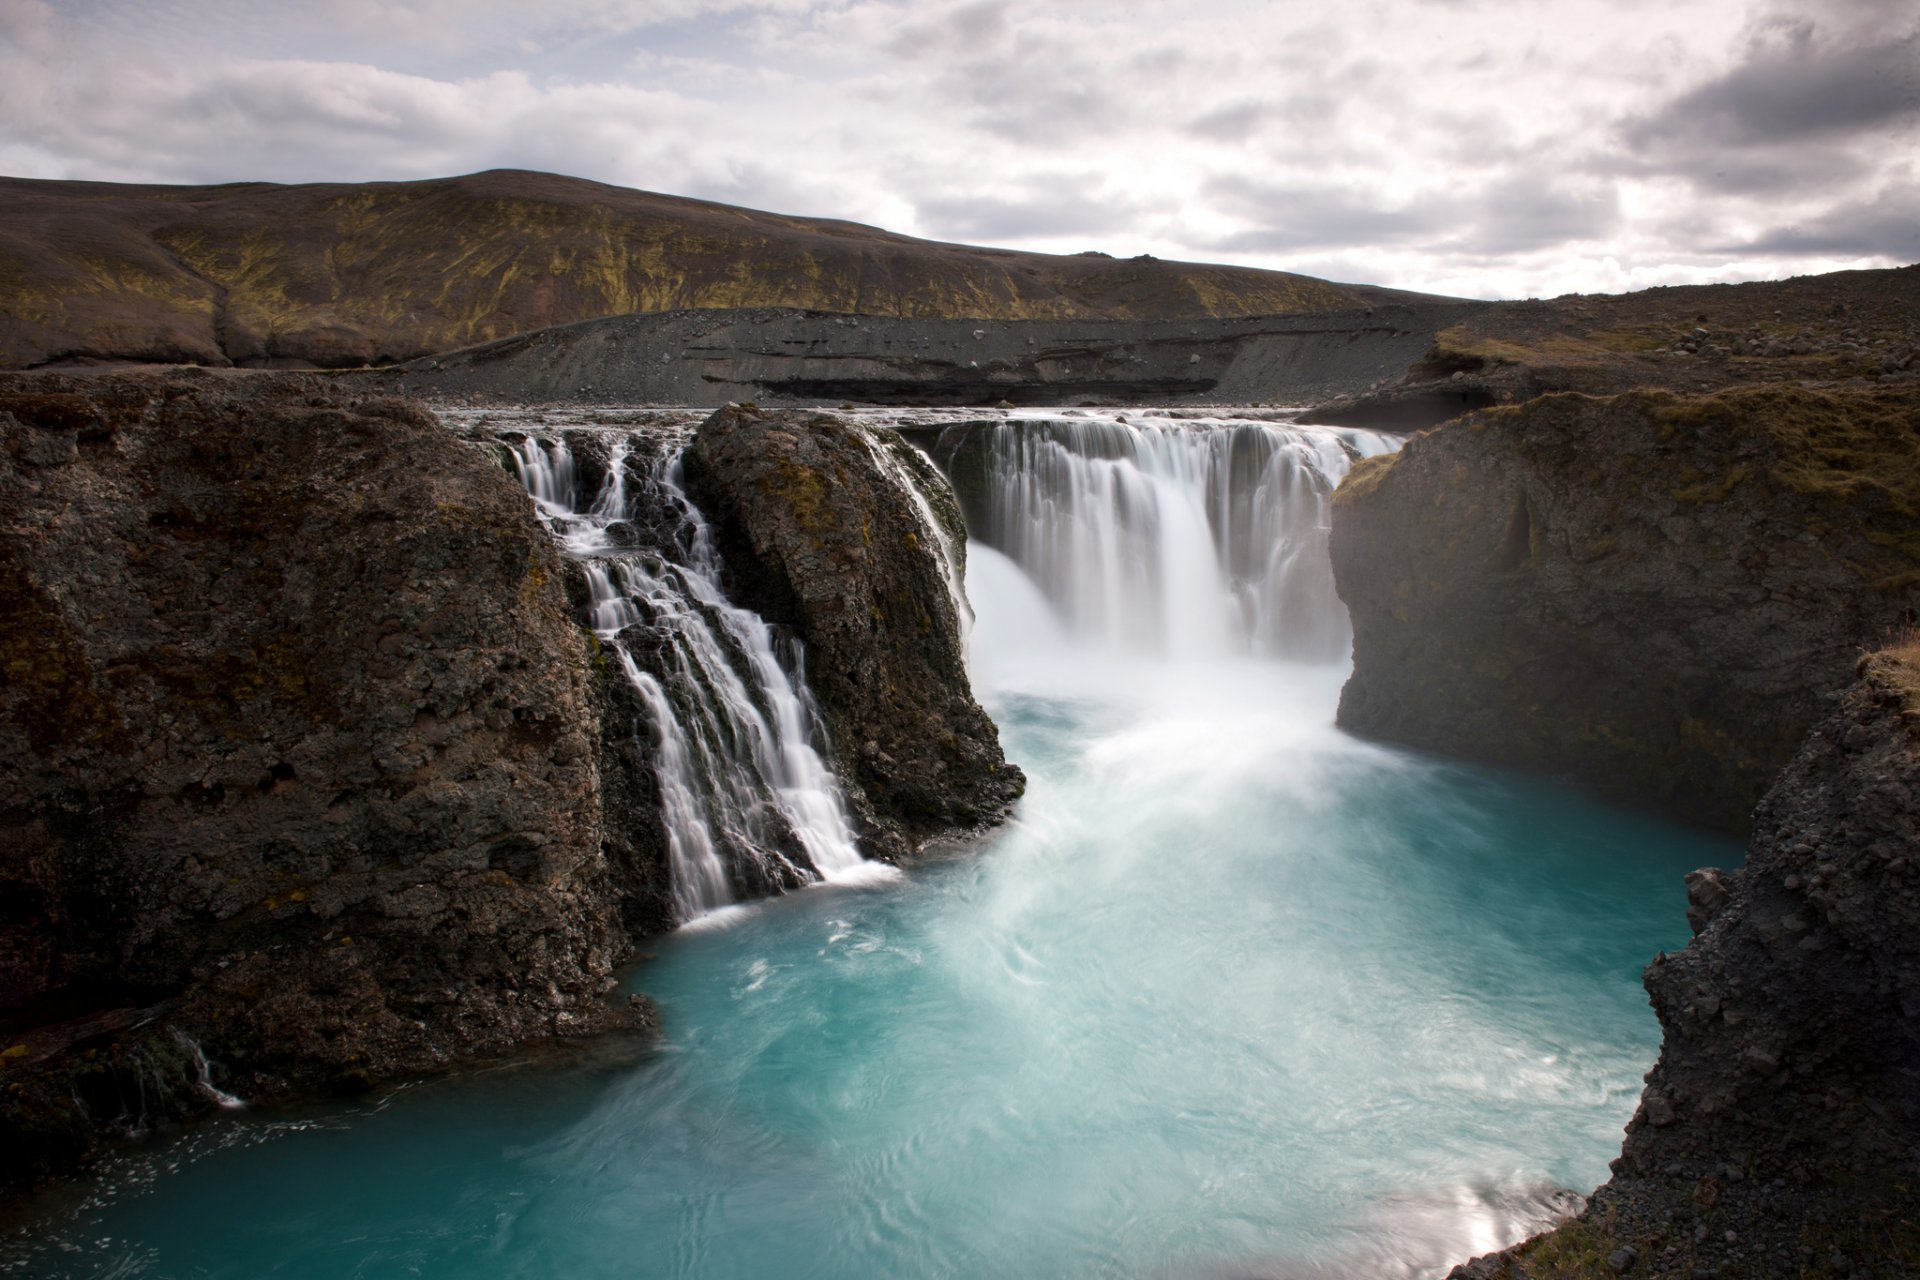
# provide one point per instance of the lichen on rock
(296, 743)
(818, 538)
(1648, 593)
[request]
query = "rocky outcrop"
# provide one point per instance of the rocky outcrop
(1649, 593)
(1779, 1134)
(817, 536)
(296, 751)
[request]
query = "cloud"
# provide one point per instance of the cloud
(1055, 207)
(1471, 146)
(1886, 226)
(1796, 81)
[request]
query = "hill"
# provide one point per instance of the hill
(343, 275)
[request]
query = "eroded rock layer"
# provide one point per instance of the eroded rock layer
(815, 537)
(296, 749)
(1648, 593)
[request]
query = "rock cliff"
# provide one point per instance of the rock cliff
(1648, 593)
(817, 538)
(309, 763)
(296, 750)
(1779, 1134)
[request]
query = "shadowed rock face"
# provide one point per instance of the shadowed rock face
(339, 275)
(295, 743)
(1779, 1133)
(304, 754)
(1647, 593)
(815, 538)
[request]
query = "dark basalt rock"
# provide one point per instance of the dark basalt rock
(1647, 593)
(818, 538)
(1779, 1134)
(297, 745)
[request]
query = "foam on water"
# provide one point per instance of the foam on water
(1234, 995)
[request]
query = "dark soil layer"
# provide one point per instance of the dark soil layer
(352, 274)
(786, 356)
(1648, 593)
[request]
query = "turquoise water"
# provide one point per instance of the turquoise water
(1237, 995)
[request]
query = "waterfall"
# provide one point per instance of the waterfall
(1185, 539)
(910, 471)
(203, 1072)
(747, 802)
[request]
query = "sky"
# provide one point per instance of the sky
(1485, 148)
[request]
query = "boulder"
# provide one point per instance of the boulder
(819, 536)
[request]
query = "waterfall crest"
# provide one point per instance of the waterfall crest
(747, 802)
(1177, 538)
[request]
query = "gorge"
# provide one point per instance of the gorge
(1322, 1005)
(349, 742)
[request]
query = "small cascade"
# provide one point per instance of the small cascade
(905, 465)
(1186, 539)
(204, 1072)
(749, 806)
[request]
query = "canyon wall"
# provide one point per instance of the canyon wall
(1667, 598)
(308, 761)
(1648, 593)
(1779, 1134)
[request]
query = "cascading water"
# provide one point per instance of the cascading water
(1184, 539)
(747, 803)
(1235, 996)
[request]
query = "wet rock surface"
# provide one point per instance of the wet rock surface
(1649, 593)
(1779, 1134)
(817, 538)
(297, 750)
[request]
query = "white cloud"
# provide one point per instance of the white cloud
(1471, 146)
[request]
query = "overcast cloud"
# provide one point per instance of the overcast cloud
(1481, 147)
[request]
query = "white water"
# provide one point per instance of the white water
(748, 802)
(1235, 995)
(909, 477)
(1196, 540)
(204, 1073)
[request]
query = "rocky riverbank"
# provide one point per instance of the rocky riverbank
(1647, 593)
(295, 752)
(1666, 597)
(310, 765)
(1779, 1134)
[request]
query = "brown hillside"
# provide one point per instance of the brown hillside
(352, 274)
